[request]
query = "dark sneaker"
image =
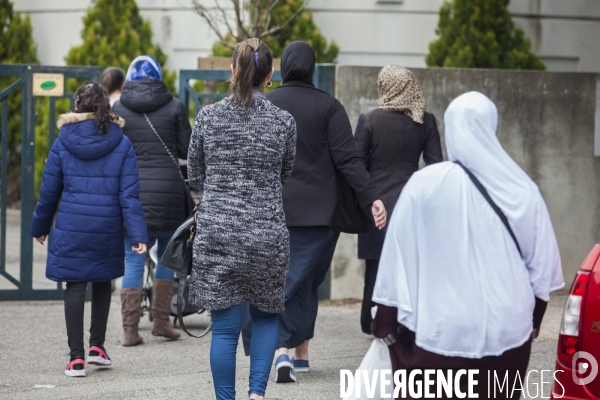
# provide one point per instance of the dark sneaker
(284, 370)
(97, 356)
(301, 365)
(76, 368)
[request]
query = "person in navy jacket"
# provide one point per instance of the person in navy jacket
(92, 171)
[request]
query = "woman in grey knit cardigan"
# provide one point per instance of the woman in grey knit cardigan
(241, 153)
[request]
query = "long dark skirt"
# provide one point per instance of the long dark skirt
(311, 252)
(406, 355)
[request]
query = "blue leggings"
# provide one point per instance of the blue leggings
(135, 265)
(226, 333)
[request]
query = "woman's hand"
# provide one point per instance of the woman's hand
(379, 214)
(41, 239)
(139, 248)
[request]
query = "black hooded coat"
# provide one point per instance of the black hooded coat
(325, 143)
(162, 191)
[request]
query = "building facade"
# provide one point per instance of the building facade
(369, 32)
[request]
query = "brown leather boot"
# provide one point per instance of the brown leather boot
(130, 310)
(162, 292)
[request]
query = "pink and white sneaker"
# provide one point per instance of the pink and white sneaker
(76, 368)
(97, 356)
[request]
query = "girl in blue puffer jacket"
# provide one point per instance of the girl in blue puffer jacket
(92, 170)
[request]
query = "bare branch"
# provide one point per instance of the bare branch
(209, 18)
(255, 10)
(258, 25)
(242, 32)
(266, 19)
(279, 28)
(225, 20)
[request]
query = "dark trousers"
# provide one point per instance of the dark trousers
(311, 251)
(74, 312)
(367, 303)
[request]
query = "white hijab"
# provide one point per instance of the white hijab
(449, 264)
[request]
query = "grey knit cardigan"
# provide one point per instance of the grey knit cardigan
(240, 158)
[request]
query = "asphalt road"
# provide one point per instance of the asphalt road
(33, 349)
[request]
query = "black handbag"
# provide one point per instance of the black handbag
(178, 257)
(178, 253)
(349, 217)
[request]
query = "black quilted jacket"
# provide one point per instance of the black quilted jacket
(162, 191)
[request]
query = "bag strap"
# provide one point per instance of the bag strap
(491, 202)
(180, 291)
(164, 145)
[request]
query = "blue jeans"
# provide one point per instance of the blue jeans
(226, 333)
(135, 264)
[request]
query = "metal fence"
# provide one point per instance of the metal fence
(32, 80)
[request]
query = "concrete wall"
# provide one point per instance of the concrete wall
(547, 123)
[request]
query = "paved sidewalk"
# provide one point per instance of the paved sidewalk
(33, 347)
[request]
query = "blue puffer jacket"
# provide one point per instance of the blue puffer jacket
(95, 177)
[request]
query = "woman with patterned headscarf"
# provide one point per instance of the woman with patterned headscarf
(159, 129)
(391, 139)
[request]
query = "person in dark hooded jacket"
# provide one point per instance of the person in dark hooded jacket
(91, 170)
(159, 130)
(325, 148)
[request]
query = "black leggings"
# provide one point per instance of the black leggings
(74, 310)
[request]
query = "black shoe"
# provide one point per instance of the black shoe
(284, 370)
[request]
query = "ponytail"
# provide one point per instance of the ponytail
(253, 62)
(93, 98)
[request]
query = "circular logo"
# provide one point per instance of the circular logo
(584, 364)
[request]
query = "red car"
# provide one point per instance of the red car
(578, 353)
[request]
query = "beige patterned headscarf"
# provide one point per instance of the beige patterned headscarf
(400, 90)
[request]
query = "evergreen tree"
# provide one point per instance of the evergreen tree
(114, 33)
(16, 47)
(301, 27)
(480, 34)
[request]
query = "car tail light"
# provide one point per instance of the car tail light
(568, 341)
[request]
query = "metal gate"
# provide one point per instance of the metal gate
(323, 78)
(32, 80)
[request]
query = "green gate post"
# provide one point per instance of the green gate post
(27, 173)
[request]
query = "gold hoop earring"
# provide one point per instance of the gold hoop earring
(269, 83)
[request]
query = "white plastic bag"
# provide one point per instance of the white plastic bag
(376, 361)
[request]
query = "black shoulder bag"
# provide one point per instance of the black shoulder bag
(494, 206)
(348, 217)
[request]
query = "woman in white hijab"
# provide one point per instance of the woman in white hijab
(453, 289)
